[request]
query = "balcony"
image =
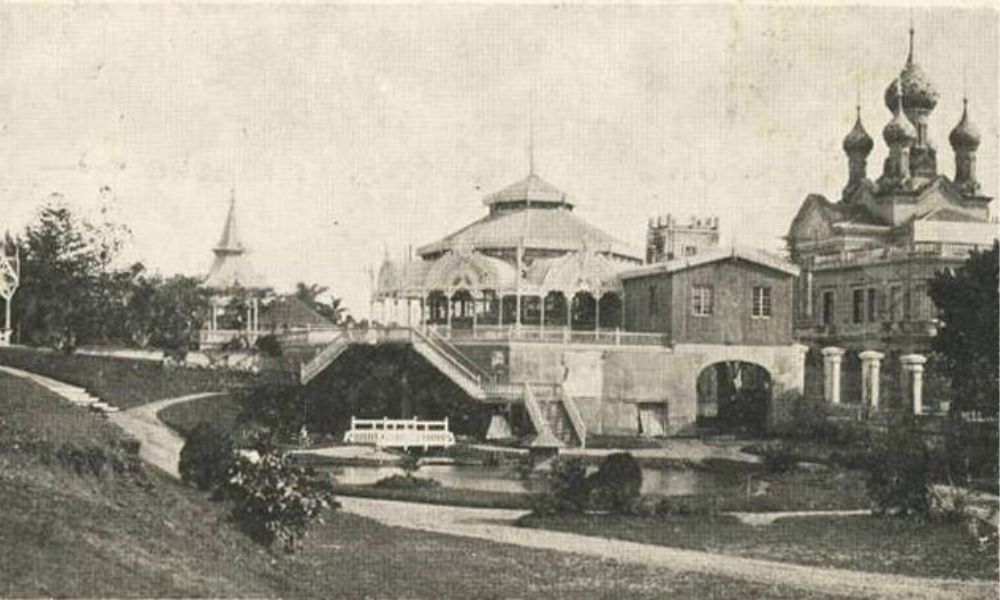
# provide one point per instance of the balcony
(866, 256)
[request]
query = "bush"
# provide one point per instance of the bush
(269, 345)
(206, 457)
(778, 457)
(567, 489)
(616, 484)
(899, 469)
(274, 499)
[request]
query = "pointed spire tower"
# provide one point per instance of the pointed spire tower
(231, 268)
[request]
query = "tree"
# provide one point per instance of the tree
(311, 294)
(967, 302)
(68, 295)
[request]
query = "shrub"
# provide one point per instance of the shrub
(778, 457)
(206, 456)
(616, 484)
(567, 489)
(899, 470)
(273, 499)
(269, 345)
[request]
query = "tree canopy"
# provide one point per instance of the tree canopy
(969, 341)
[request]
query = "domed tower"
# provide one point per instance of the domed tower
(857, 145)
(965, 140)
(918, 96)
(899, 134)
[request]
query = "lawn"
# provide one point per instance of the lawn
(124, 382)
(218, 410)
(143, 535)
(864, 543)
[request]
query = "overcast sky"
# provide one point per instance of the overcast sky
(347, 129)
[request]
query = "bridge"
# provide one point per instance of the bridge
(400, 433)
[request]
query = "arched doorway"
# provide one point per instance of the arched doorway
(734, 397)
(611, 310)
(583, 311)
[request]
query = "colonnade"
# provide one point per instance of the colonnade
(871, 364)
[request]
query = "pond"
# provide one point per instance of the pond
(666, 481)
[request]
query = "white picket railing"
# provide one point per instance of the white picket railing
(400, 433)
(538, 420)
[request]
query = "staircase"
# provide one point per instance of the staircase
(451, 362)
(308, 371)
(575, 418)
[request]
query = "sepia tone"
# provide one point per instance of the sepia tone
(513, 301)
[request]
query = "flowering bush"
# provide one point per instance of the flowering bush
(274, 499)
(206, 456)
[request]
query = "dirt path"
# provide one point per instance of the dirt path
(495, 525)
(160, 446)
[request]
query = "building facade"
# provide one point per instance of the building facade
(866, 258)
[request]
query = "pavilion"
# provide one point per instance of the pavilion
(529, 263)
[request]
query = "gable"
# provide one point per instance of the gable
(812, 220)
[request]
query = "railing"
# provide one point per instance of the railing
(218, 337)
(870, 255)
(456, 354)
(400, 433)
(551, 335)
(538, 420)
(322, 360)
(574, 416)
(465, 377)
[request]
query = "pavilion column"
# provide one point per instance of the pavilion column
(913, 369)
(870, 363)
(423, 317)
(475, 319)
(621, 319)
(448, 306)
(409, 313)
(597, 312)
(517, 317)
(832, 357)
(542, 323)
(500, 311)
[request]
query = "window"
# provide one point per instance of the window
(895, 292)
(761, 301)
(701, 300)
(828, 307)
(690, 250)
(652, 300)
(857, 305)
(871, 304)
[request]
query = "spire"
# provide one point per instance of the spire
(230, 243)
(909, 56)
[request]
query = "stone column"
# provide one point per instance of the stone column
(832, 356)
(870, 364)
(913, 367)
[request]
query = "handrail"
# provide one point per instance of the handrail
(456, 353)
(323, 359)
(538, 420)
(575, 418)
(465, 371)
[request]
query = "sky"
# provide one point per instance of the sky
(348, 132)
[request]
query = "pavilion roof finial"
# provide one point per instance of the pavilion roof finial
(909, 57)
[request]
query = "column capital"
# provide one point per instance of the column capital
(833, 352)
(913, 361)
(871, 355)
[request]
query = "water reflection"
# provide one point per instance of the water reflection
(664, 481)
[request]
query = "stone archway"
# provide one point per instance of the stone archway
(734, 396)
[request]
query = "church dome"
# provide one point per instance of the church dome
(965, 135)
(917, 90)
(899, 130)
(858, 141)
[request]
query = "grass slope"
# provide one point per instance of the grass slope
(70, 535)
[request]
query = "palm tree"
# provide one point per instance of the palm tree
(310, 294)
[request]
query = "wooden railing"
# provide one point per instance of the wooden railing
(400, 433)
(574, 416)
(325, 357)
(549, 335)
(538, 420)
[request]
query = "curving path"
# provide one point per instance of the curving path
(161, 447)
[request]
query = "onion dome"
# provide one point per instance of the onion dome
(913, 84)
(858, 141)
(899, 130)
(965, 135)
